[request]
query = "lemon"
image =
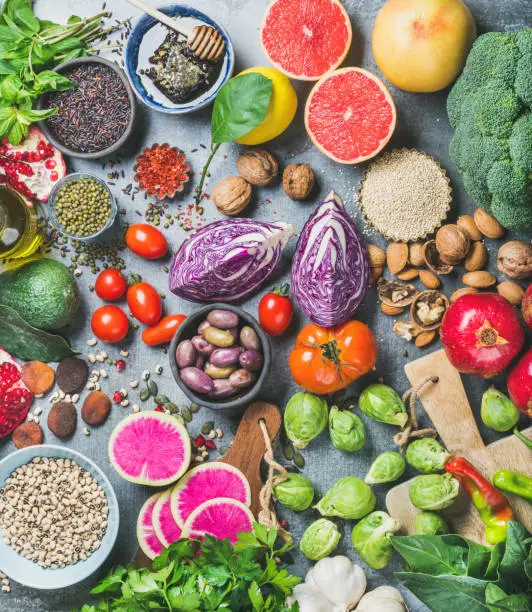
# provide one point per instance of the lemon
(281, 110)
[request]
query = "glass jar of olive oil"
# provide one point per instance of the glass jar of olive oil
(19, 229)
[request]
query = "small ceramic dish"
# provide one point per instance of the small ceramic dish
(52, 201)
(191, 17)
(49, 133)
(188, 329)
(27, 572)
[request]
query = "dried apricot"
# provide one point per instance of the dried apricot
(62, 419)
(72, 374)
(39, 377)
(96, 408)
(27, 434)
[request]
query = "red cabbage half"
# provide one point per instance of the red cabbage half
(330, 269)
(228, 260)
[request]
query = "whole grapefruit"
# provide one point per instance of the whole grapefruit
(422, 45)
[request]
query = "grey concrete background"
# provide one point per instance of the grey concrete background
(422, 123)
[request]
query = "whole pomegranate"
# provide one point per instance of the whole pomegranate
(520, 384)
(481, 334)
(526, 306)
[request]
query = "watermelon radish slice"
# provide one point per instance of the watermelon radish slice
(150, 448)
(149, 543)
(222, 518)
(15, 397)
(208, 481)
(165, 527)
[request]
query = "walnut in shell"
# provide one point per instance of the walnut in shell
(258, 167)
(433, 260)
(298, 181)
(515, 259)
(232, 195)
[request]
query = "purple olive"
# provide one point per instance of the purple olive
(225, 356)
(249, 338)
(200, 361)
(223, 319)
(202, 327)
(242, 378)
(222, 388)
(196, 380)
(202, 346)
(185, 354)
(251, 360)
(234, 332)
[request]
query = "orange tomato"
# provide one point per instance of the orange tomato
(164, 331)
(325, 360)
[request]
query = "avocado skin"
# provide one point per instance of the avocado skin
(44, 293)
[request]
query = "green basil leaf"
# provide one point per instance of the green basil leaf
(17, 133)
(511, 603)
(8, 117)
(493, 593)
(497, 552)
(14, 27)
(478, 560)
(33, 115)
(240, 106)
(432, 554)
(48, 80)
(26, 342)
(7, 35)
(25, 19)
(6, 68)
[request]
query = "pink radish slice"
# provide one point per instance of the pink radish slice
(149, 543)
(166, 529)
(221, 518)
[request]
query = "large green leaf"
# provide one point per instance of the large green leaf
(432, 554)
(512, 576)
(26, 342)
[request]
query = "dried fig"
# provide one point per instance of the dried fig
(72, 374)
(27, 434)
(39, 377)
(62, 419)
(96, 408)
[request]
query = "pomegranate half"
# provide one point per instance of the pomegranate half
(520, 384)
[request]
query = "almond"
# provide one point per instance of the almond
(374, 275)
(408, 274)
(391, 310)
(488, 225)
(460, 292)
(377, 257)
(476, 258)
(415, 254)
(480, 279)
(425, 338)
(397, 256)
(511, 291)
(429, 279)
(467, 223)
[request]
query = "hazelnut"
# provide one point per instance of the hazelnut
(377, 257)
(515, 259)
(397, 256)
(232, 195)
(487, 224)
(467, 223)
(452, 243)
(298, 181)
(258, 167)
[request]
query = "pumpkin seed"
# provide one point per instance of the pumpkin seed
(299, 460)
(152, 388)
(288, 451)
(194, 407)
(162, 400)
(207, 427)
(187, 415)
(172, 408)
(144, 395)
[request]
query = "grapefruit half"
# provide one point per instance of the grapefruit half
(350, 115)
(306, 39)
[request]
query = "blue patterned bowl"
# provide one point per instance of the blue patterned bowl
(132, 52)
(27, 572)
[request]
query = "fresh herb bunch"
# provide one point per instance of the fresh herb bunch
(29, 49)
(237, 578)
(448, 572)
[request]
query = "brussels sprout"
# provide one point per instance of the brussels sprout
(387, 467)
(498, 412)
(347, 430)
(296, 492)
(371, 538)
(430, 523)
(427, 455)
(383, 404)
(305, 417)
(319, 540)
(348, 498)
(433, 491)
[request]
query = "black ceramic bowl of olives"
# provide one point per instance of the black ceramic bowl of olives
(220, 357)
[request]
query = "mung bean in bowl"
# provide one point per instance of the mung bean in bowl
(71, 486)
(81, 206)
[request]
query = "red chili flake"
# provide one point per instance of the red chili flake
(162, 171)
(200, 441)
(210, 444)
(120, 365)
(284, 524)
(159, 409)
(117, 397)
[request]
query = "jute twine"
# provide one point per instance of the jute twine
(410, 430)
(267, 515)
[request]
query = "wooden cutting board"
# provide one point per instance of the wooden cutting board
(446, 404)
(246, 453)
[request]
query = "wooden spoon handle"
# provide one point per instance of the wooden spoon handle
(162, 17)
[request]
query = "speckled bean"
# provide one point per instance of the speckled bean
(200, 361)
(196, 380)
(202, 345)
(251, 360)
(249, 338)
(216, 372)
(222, 388)
(218, 337)
(222, 319)
(242, 378)
(222, 357)
(202, 327)
(185, 354)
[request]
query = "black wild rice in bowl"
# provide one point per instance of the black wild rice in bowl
(94, 115)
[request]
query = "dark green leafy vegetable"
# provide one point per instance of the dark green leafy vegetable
(27, 342)
(242, 578)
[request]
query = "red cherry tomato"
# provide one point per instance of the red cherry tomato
(276, 311)
(145, 303)
(110, 324)
(110, 284)
(146, 241)
(164, 331)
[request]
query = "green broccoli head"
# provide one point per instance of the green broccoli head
(490, 109)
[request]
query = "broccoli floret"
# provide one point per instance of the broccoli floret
(490, 109)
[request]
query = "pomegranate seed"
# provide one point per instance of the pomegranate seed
(117, 397)
(159, 409)
(30, 156)
(199, 441)
(210, 444)
(120, 365)
(54, 176)
(50, 164)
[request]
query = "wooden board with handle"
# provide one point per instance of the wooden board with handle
(246, 453)
(446, 404)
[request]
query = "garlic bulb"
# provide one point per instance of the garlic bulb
(383, 599)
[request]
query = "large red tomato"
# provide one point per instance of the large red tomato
(110, 324)
(146, 241)
(145, 303)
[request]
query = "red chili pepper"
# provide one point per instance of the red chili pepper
(492, 505)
